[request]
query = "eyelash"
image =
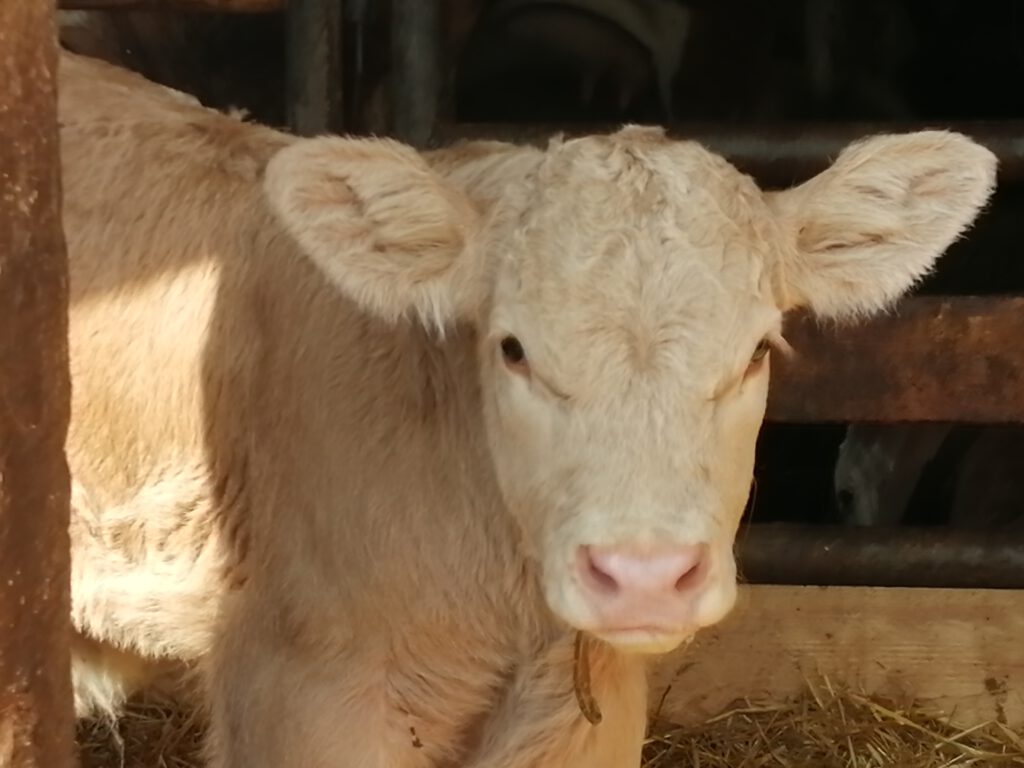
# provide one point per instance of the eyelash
(761, 351)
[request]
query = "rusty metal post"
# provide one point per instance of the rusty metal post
(36, 720)
(314, 66)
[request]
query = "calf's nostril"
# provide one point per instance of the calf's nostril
(604, 580)
(690, 578)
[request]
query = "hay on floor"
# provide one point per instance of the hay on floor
(824, 729)
(830, 729)
(150, 734)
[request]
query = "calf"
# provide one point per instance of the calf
(878, 468)
(881, 467)
(377, 441)
(626, 47)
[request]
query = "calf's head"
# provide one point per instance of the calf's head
(628, 292)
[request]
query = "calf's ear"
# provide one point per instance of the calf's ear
(874, 223)
(386, 229)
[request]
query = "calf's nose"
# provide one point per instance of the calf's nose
(630, 587)
(667, 570)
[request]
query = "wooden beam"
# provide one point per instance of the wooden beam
(213, 6)
(36, 722)
(956, 653)
(931, 359)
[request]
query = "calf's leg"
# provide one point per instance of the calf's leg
(278, 705)
(276, 702)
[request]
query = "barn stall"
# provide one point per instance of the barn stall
(895, 641)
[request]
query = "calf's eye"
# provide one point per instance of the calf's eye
(760, 353)
(513, 352)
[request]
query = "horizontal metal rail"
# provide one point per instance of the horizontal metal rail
(782, 553)
(777, 155)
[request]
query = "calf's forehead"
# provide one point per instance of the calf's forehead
(654, 239)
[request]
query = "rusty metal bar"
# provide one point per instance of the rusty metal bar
(36, 719)
(781, 553)
(779, 155)
(934, 358)
(213, 6)
(313, 66)
(415, 69)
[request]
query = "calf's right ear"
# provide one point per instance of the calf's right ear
(385, 228)
(867, 229)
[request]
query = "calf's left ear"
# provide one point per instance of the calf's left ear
(385, 228)
(869, 227)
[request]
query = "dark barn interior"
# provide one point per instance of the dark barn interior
(773, 80)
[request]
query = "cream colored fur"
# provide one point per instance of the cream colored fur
(302, 467)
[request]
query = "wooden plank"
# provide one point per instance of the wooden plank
(36, 724)
(213, 6)
(931, 359)
(958, 653)
(314, 66)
